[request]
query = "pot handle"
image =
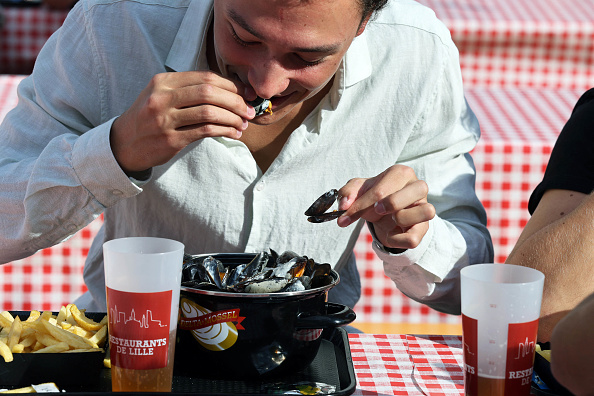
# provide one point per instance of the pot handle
(337, 315)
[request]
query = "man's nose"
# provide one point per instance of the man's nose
(268, 79)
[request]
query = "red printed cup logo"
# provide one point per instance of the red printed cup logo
(521, 344)
(138, 328)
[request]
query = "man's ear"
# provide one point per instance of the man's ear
(363, 25)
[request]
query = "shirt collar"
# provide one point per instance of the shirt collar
(188, 51)
(355, 67)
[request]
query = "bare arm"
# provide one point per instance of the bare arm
(572, 350)
(558, 241)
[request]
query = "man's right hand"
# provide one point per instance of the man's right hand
(174, 110)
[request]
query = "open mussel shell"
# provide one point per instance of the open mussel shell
(326, 216)
(323, 203)
(317, 211)
(260, 105)
(256, 274)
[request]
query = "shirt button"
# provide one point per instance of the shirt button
(260, 186)
(116, 192)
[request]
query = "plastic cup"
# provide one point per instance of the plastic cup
(500, 311)
(142, 281)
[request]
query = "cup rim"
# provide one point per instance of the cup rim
(121, 246)
(470, 272)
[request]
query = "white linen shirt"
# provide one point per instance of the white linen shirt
(397, 98)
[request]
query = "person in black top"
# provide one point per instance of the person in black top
(559, 241)
(571, 166)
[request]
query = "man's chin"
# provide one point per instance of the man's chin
(265, 119)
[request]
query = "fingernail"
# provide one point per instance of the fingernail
(342, 202)
(379, 208)
(239, 133)
(344, 221)
(251, 111)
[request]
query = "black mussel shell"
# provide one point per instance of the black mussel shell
(323, 203)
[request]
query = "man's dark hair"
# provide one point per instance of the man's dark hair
(371, 7)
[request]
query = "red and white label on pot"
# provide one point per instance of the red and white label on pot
(216, 331)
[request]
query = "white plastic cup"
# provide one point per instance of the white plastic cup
(500, 312)
(142, 281)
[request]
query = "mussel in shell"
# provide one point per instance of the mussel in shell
(317, 211)
(261, 106)
(265, 273)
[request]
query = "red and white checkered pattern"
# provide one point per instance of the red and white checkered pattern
(8, 95)
(527, 43)
(24, 32)
(395, 364)
(50, 278)
(438, 363)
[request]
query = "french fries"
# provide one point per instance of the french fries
(42, 332)
(545, 353)
(83, 321)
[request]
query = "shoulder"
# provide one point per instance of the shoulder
(89, 4)
(129, 10)
(584, 105)
(410, 16)
(580, 125)
(120, 20)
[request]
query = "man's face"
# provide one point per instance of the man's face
(286, 50)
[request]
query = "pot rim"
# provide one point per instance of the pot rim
(220, 293)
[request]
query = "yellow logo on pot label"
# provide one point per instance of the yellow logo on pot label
(213, 330)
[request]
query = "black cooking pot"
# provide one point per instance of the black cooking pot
(245, 335)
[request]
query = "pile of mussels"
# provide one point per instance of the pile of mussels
(265, 273)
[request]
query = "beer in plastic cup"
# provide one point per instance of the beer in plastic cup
(142, 280)
(500, 311)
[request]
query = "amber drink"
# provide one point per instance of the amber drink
(142, 283)
(152, 380)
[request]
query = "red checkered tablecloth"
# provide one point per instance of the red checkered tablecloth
(396, 364)
(8, 95)
(522, 43)
(25, 31)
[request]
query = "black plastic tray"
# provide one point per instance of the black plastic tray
(332, 365)
(74, 370)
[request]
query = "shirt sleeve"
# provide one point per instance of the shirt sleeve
(57, 170)
(571, 166)
(445, 133)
